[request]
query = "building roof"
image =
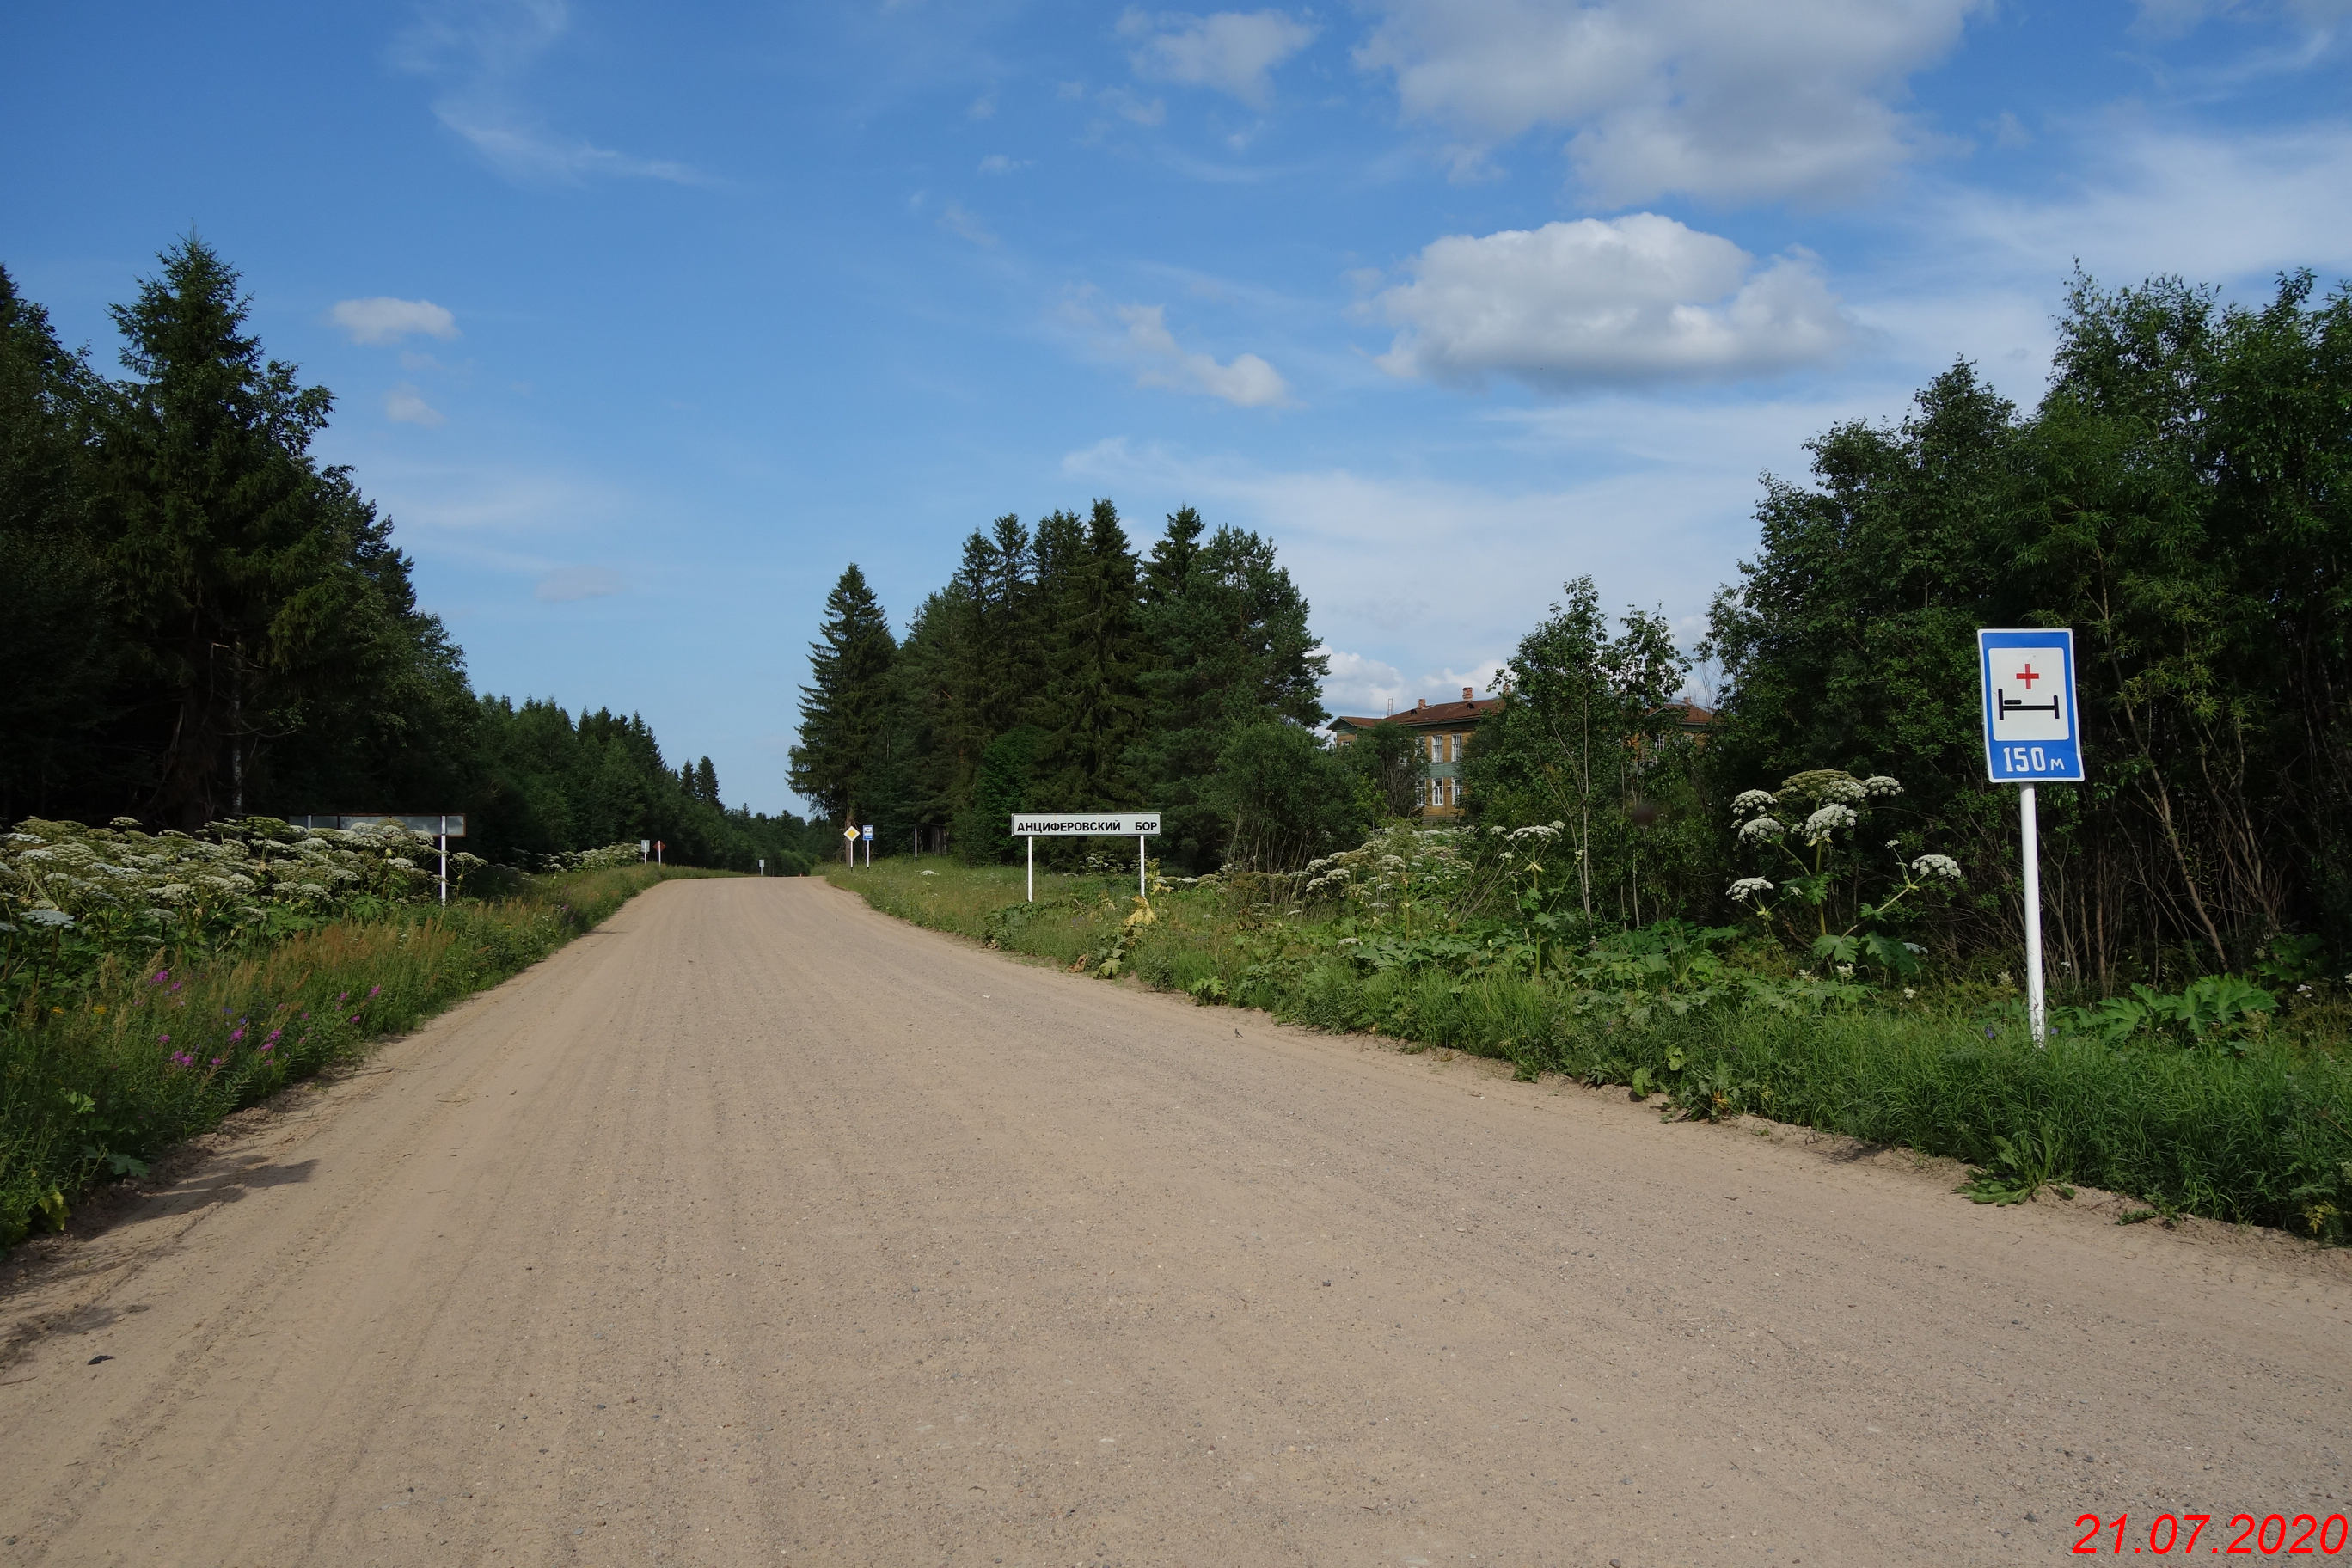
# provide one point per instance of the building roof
(1429, 715)
(1470, 710)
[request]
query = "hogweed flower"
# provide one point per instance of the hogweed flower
(1751, 800)
(1761, 830)
(1936, 865)
(1747, 887)
(1828, 820)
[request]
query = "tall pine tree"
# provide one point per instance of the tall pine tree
(1092, 706)
(846, 710)
(1229, 648)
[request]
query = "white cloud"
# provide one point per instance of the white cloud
(1128, 105)
(2154, 201)
(1724, 98)
(2171, 17)
(1232, 51)
(1630, 299)
(530, 153)
(568, 585)
(1658, 509)
(1361, 686)
(406, 405)
(964, 226)
(1246, 381)
(480, 53)
(386, 320)
(998, 164)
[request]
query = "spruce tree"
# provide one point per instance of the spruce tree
(1230, 648)
(59, 641)
(1092, 706)
(845, 708)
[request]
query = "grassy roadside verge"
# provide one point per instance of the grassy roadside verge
(155, 1055)
(2259, 1133)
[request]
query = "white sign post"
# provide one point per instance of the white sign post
(1033, 826)
(2030, 738)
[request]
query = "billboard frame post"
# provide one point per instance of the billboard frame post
(1033, 826)
(2029, 831)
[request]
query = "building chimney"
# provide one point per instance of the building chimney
(1423, 707)
(1466, 694)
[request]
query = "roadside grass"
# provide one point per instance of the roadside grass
(2260, 1132)
(94, 1085)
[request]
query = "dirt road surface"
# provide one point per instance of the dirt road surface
(758, 1228)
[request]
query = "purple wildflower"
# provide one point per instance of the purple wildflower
(163, 1039)
(160, 976)
(375, 990)
(235, 1035)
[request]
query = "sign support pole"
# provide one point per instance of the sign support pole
(445, 862)
(1139, 863)
(1032, 842)
(2029, 830)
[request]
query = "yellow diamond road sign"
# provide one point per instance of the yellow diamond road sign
(849, 833)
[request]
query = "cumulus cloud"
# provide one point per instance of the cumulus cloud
(1246, 381)
(1361, 686)
(1626, 300)
(1723, 99)
(1234, 52)
(387, 320)
(406, 405)
(568, 585)
(998, 164)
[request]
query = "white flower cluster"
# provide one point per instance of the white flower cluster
(1747, 887)
(1829, 819)
(1399, 863)
(1880, 785)
(1936, 865)
(1751, 800)
(1761, 830)
(121, 882)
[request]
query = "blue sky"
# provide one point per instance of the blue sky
(643, 321)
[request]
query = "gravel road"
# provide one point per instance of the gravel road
(756, 1227)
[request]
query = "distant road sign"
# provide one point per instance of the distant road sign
(1085, 825)
(867, 832)
(2031, 732)
(849, 833)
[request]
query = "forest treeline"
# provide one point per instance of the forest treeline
(1061, 668)
(2180, 496)
(199, 620)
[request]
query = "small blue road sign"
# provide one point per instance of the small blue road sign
(867, 832)
(2030, 733)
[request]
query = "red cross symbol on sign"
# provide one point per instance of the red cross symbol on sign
(2027, 676)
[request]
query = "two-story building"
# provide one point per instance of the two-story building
(1442, 730)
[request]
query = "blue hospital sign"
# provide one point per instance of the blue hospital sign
(2031, 734)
